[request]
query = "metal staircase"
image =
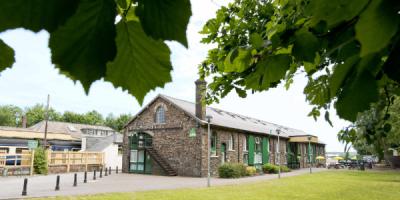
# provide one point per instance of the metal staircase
(160, 161)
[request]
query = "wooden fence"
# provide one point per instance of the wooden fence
(58, 162)
(16, 163)
(68, 161)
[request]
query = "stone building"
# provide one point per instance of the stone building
(169, 137)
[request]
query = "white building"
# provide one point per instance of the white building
(94, 138)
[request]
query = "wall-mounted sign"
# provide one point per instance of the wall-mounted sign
(32, 144)
(192, 132)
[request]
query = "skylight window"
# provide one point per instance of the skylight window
(71, 128)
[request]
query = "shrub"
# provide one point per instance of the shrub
(231, 170)
(250, 171)
(40, 161)
(241, 168)
(285, 169)
(270, 168)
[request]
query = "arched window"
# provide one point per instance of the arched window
(160, 115)
(231, 142)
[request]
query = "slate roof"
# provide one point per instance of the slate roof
(231, 120)
(64, 127)
(100, 143)
(26, 133)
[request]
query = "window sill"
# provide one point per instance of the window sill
(231, 150)
(214, 156)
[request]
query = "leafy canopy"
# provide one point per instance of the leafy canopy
(11, 115)
(87, 44)
(378, 129)
(348, 50)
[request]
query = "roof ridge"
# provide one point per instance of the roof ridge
(72, 123)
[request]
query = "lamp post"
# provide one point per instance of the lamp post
(208, 117)
(278, 154)
(309, 152)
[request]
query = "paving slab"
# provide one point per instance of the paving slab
(44, 186)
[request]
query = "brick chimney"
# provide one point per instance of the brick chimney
(24, 121)
(200, 98)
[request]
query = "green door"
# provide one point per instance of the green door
(140, 162)
(265, 150)
(137, 161)
(148, 166)
(251, 150)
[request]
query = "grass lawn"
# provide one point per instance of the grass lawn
(335, 185)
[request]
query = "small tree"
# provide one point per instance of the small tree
(40, 161)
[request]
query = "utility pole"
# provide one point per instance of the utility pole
(209, 150)
(309, 153)
(46, 120)
(279, 154)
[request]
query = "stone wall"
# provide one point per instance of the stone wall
(236, 155)
(171, 140)
(188, 155)
(273, 142)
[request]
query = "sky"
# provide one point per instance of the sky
(33, 76)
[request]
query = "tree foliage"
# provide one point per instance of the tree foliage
(40, 161)
(87, 44)
(348, 50)
(378, 129)
(9, 115)
(12, 116)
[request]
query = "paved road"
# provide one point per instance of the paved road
(43, 186)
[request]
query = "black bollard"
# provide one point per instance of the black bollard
(105, 171)
(101, 173)
(94, 174)
(85, 177)
(24, 189)
(75, 180)
(109, 170)
(116, 170)
(58, 183)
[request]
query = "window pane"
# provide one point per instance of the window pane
(141, 156)
(134, 156)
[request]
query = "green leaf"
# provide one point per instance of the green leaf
(268, 71)
(35, 15)
(238, 60)
(165, 19)
(241, 93)
(305, 46)
(314, 113)
(123, 3)
(357, 96)
(6, 56)
(340, 74)
(316, 91)
(335, 12)
(84, 45)
(387, 127)
(327, 118)
(391, 66)
(376, 26)
(256, 40)
(141, 64)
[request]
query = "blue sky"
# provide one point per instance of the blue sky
(33, 76)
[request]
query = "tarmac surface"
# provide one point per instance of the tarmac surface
(44, 186)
